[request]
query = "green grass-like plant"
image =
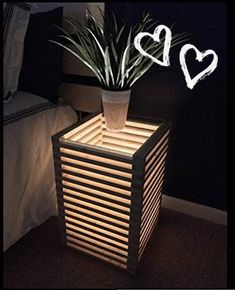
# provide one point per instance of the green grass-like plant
(108, 50)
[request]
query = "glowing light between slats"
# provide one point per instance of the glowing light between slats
(127, 141)
(93, 206)
(97, 249)
(96, 215)
(96, 158)
(76, 188)
(85, 233)
(88, 166)
(97, 222)
(98, 184)
(95, 241)
(99, 200)
(96, 228)
(156, 146)
(97, 175)
(103, 183)
(97, 255)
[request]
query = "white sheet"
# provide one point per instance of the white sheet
(29, 182)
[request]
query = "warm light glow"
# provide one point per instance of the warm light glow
(97, 255)
(98, 176)
(96, 215)
(95, 241)
(107, 225)
(97, 236)
(86, 245)
(109, 233)
(127, 141)
(95, 191)
(104, 169)
(100, 191)
(156, 146)
(96, 158)
(149, 181)
(98, 184)
(154, 154)
(91, 198)
(100, 208)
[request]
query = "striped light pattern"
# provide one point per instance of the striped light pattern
(109, 187)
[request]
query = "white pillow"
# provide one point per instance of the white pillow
(15, 22)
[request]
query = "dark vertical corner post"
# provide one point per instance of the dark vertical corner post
(138, 164)
(59, 191)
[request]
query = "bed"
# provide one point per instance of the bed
(29, 182)
(33, 112)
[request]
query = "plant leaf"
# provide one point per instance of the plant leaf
(101, 49)
(80, 58)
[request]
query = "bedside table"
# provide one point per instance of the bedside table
(84, 99)
(109, 187)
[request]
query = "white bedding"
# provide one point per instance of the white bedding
(29, 182)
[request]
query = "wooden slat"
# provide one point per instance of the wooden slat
(97, 255)
(98, 185)
(137, 131)
(94, 231)
(97, 229)
(100, 208)
(158, 152)
(93, 221)
(119, 198)
(151, 208)
(148, 230)
(98, 216)
(156, 179)
(97, 242)
(81, 133)
(123, 155)
(154, 139)
(112, 140)
(125, 136)
(151, 197)
(84, 125)
(97, 200)
(123, 171)
(96, 168)
(72, 151)
(96, 140)
(87, 233)
(138, 124)
(97, 176)
(116, 147)
(142, 125)
(148, 234)
(151, 202)
(96, 133)
(160, 165)
(97, 249)
(157, 145)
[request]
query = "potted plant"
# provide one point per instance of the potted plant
(108, 50)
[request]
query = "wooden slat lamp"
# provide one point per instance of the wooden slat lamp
(109, 187)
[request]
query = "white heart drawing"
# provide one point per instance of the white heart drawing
(191, 82)
(156, 37)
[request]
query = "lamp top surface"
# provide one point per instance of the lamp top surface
(93, 133)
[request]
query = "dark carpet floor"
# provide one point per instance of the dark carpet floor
(183, 252)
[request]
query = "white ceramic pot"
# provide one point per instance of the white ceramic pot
(115, 106)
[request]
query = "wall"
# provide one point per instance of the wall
(197, 160)
(82, 96)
